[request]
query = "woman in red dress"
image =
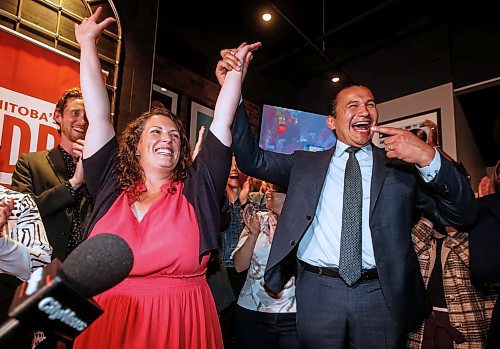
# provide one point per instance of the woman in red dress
(167, 209)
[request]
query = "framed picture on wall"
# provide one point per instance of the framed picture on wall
(414, 123)
(199, 115)
(168, 98)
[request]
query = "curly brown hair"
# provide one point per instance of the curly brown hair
(129, 170)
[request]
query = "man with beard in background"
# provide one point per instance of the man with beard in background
(54, 178)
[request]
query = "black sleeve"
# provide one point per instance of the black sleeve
(484, 241)
(205, 186)
(99, 168)
(213, 162)
(253, 161)
(449, 200)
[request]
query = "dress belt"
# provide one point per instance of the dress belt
(366, 274)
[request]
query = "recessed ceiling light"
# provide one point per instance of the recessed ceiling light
(267, 16)
(335, 79)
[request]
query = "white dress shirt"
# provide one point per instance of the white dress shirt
(321, 243)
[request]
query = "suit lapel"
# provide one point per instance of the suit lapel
(56, 161)
(380, 168)
(320, 170)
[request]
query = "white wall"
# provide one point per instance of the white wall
(467, 150)
(454, 126)
(438, 97)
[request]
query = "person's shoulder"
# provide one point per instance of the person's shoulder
(4, 192)
(489, 199)
(490, 202)
(12, 194)
(36, 155)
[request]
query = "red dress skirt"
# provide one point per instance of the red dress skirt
(165, 302)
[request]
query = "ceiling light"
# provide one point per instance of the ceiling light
(267, 16)
(335, 79)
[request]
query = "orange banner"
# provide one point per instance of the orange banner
(32, 79)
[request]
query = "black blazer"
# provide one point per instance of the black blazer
(484, 246)
(396, 190)
(42, 175)
(484, 240)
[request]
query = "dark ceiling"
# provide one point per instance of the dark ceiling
(395, 47)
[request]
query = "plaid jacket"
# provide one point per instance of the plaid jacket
(469, 309)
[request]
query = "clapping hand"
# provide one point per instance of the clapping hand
(245, 189)
(485, 187)
(251, 220)
(199, 142)
(273, 222)
(6, 207)
(432, 138)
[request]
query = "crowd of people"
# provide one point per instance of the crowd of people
(352, 247)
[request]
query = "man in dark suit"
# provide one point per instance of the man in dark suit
(385, 299)
(55, 178)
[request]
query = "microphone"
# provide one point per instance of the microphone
(57, 298)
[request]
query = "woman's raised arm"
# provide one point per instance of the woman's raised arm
(95, 96)
(229, 97)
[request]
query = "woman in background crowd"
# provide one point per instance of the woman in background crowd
(263, 320)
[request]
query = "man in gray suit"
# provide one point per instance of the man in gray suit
(360, 289)
(54, 178)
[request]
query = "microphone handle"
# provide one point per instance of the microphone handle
(10, 332)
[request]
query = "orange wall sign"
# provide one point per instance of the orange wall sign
(32, 78)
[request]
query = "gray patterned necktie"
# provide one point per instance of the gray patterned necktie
(350, 240)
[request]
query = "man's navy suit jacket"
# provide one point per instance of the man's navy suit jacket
(397, 192)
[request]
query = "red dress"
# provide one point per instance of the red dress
(165, 302)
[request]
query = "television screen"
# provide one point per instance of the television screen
(285, 130)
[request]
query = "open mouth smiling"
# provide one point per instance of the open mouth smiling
(164, 151)
(362, 126)
(79, 129)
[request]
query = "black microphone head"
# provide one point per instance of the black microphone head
(98, 264)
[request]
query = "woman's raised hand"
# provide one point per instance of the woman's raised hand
(90, 29)
(235, 58)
